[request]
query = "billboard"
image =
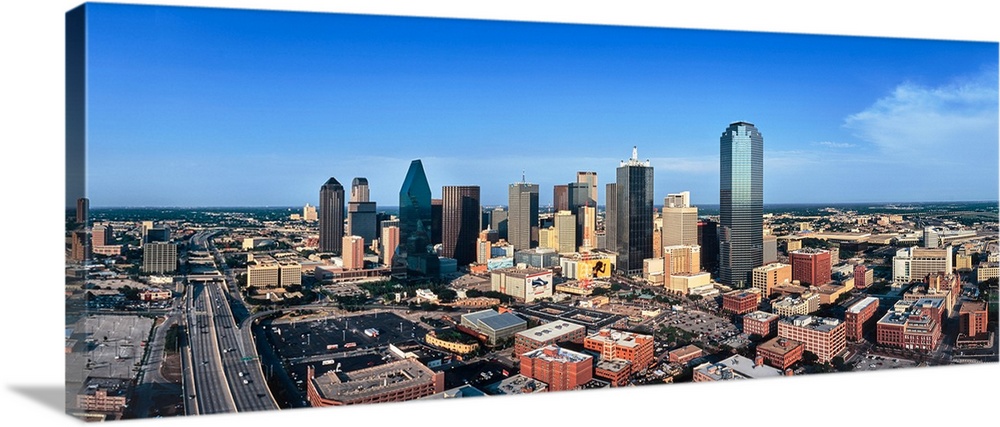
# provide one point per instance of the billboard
(503, 262)
(600, 268)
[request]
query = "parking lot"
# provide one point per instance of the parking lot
(705, 325)
(873, 362)
(334, 335)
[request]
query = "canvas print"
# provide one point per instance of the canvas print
(270, 210)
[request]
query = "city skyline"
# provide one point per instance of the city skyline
(317, 113)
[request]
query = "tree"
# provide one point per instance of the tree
(809, 358)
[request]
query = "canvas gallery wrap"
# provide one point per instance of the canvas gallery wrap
(269, 210)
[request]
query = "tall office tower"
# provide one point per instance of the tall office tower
(361, 212)
(331, 216)
(359, 190)
(522, 219)
(560, 198)
(589, 178)
(460, 222)
(389, 242)
(80, 247)
(580, 197)
(565, 227)
(144, 228)
(680, 220)
(309, 213)
(708, 239)
(611, 217)
(437, 210)
(159, 257)
(635, 214)
(741, 203)
(354, 252)
(415, 224)
(498, 222)
(82, 210)
(586, 228)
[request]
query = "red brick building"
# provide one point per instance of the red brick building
(616, 372)
(859, 318)
(761, 323)
(614, 344)
(741, 301)
(685, 354)
(561, 369)
(863, 276)
(972, 318)
(780, 352)
(909, 326)
(824, 337)
(811, 266)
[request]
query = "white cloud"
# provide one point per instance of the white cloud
(918, 124)
(832, 144)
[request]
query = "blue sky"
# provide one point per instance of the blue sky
(212, 107)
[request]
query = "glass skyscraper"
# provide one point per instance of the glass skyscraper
(331, 216)
(415, 224)
(634, 214)
(741, 203)
(522, 218)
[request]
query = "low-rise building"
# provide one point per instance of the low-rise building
(495, 326)
(524, 283)
(683, 283)
(559, 331)
(859, 318)
(517, 384)
(780, 352)
(824, 337)
(795, 306)
(615, 371)
(685, 354)
(910, 326)
(396, 381)
(560, 368)
(734, 368)
(107, 396)
(761, 323)
(741, 301)
(615, 344)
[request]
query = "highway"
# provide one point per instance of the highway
(223, 373)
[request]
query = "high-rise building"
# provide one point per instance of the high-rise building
(811, 266)
(680, 220)
(460, 222)
(681, 259)
(586, 228)
(565, 228)
(708, 239)
(522, 220)
(331, 216)
(416, 247)
(437, 215)
(589, 178)
(766, 277)
(354, 252)
(80, 247)
(741, 203)
(560, 198)
(144, 228)
(634, 214)
(82, 210)
(913, 264)
(159, 257)
(390, 241)
(101, 235)
(361, 216)
(498, 222)
(309, 213)
(611, 217)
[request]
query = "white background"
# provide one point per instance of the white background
(32, 130)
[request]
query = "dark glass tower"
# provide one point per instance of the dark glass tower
(331, 216)
(415, 245)
(634, 214)
(611, 217)
(361, 216)
(741, 203)
(460, 224)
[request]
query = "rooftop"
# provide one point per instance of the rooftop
(502, 321)
(821, 324)
(621, 338)
(612, 365)
(517, 384)
(551, 330)
(762, 316)
(861, 305)
(737, 368)
(554, 353)
(779, 345)
(353, 386)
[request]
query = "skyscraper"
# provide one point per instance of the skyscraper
(361, 212)
(560, 198)
(460, 222)
(741, 203)
(331, 216)
(680, 220)
(634, 214)
(437, 212)
(522, 220)
(589, 178)
(611, 217)
(354, 252)
(565, 228)
(82, 210)
(498, 222)
(415, 224)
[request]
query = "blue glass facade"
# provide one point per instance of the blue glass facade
(415, 224)
(634, 215)
(741, 203)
